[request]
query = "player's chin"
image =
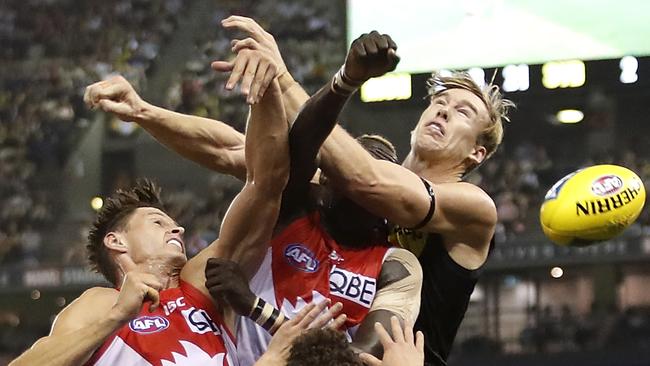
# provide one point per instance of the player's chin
(176, 254)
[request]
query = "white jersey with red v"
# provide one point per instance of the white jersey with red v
(184, 330)
(303, 264)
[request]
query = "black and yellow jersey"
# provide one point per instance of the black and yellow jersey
(446, 289)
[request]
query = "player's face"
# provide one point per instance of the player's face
(450, 126)
(356, 224)
(152, 234)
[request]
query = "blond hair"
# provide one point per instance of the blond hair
(496, 105)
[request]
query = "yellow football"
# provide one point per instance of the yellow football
(592, 204)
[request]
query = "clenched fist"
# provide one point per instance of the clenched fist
(226, 282)
(370, 55)
(115, 95)
(137, 288)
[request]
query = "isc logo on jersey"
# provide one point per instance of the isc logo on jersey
(148, 324)
(352, 286)
(302, 258)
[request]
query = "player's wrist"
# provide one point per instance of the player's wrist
(342, 84)
(285, 80)
(117, 316)
(266, 316)
(148, 113)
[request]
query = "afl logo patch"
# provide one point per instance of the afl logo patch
(606, 185)
(148, 324)
(302, 258)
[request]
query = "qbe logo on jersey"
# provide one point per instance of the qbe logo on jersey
(148, 324)
(352, 286)
(199, 321)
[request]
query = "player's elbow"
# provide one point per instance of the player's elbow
(273, 179)
(228, 161)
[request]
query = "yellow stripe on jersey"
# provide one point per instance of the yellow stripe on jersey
(414, 241)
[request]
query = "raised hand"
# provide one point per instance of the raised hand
(258, 59)
(311, 316)
(115, 95)
(226, 282)
(136, 288)
(401, 350)
(370, 55)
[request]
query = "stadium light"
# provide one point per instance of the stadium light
(629, 66)
(557, 272)
(96, 203)
(395, 86)
(478, 75)
(35, 295)
(563, 74)
(515, 77)
(569, 116)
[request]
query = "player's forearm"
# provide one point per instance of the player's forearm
(366, 338)
(267, 146)
(313, 124)
(293, 96)
(74, 348)
(347, 163)
(210, 143)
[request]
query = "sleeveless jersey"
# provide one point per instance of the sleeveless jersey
(184, 330)
(446, 289)
(303, 264)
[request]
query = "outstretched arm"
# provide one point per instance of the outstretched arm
(247, 227)
(460, 211)
(210, 143)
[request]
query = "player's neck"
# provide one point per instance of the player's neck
(167, 273)
(433, 171)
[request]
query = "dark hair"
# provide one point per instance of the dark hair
(113, 215)
(322, 347)
(379, 147)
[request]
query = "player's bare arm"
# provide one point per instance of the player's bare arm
(247, 227)
(398, 295)
(88, 321)
(463, 213)
(210, 143)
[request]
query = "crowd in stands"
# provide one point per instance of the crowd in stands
(559, 329)
(310, 36)
(53, 49)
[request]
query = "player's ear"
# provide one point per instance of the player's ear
(114, 241)
(477, 155)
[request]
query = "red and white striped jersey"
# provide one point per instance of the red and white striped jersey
(184, 330)
(303, 264)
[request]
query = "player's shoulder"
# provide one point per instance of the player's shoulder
(96, 298)
(478, 201)
(98, 294)
(90, 306)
